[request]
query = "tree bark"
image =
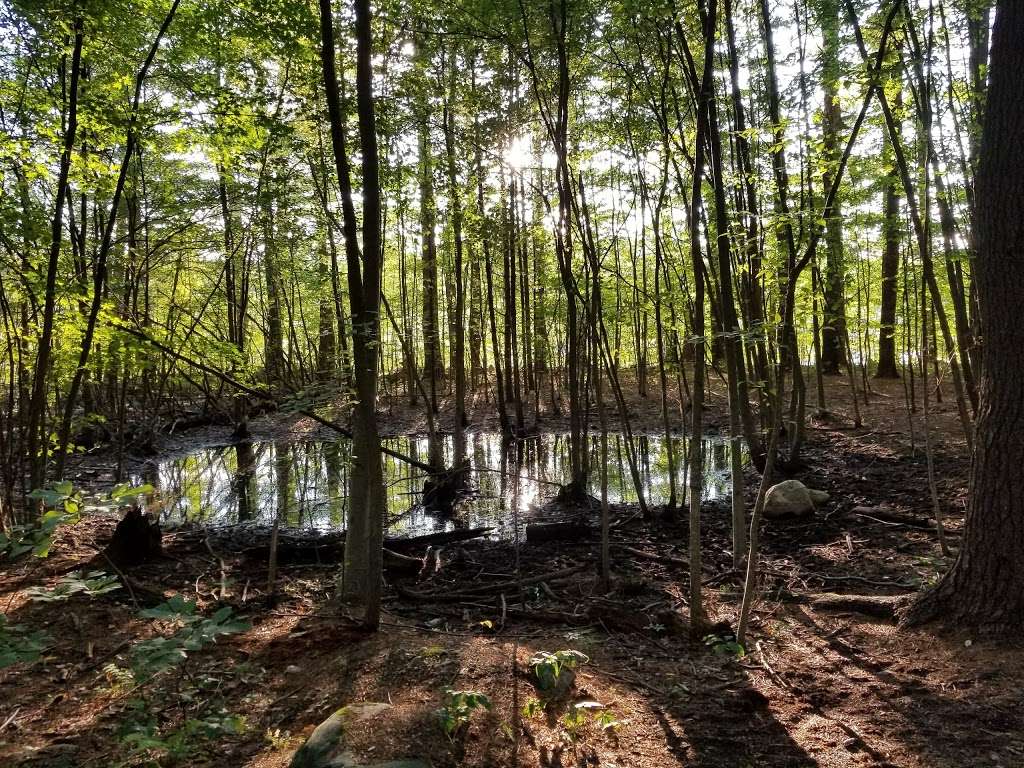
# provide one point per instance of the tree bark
(361, 578)
(985, 586)
(887, 367)
(833, 331)
(37, 404)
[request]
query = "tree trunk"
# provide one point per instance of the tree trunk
(433, 363)
(833, 332)
(887, 367)
(361, 579)
(273, 342)
(458, 327)
(37, 404)
(985, 587)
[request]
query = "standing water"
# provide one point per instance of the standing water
(304, 484)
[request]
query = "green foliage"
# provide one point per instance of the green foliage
(725, 645)
(63, 506)
(126, 494)
(548, 667)
(119, 678)
(90, 584)
(583, 713)
(532, 708)
(574, 720)
(19, 644)
(606, 720)
(150, 657)
(142, 735)
(458, 706)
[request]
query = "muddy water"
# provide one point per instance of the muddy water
(304, 484)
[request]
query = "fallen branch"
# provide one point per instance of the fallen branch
(667, 559)
(261, 394)
(445, 596)
(879, 606)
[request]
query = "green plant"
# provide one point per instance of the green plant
(532, 708)
(196, 631)
(577, 718)
(548, 667)
(458, 706)
(91, 584)
(63, 506)
(118, 678)
(277, 738)
(606, 721)
(142, 735)
(725, 644)
(574, 720)
(18, 643)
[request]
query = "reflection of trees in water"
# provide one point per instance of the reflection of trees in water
(305, 484)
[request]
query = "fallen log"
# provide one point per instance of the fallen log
(307, 546)
(442, 537)
(561, 531)
(394, 561)
(878, 606)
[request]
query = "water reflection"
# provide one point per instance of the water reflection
(304, 484)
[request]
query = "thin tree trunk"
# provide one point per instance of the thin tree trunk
(361, 578)
(37, 404)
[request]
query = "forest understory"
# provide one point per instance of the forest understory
(823, 681)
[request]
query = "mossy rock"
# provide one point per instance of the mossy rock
(326, 746)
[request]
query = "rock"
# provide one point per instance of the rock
(791, 498)
(326, 748)
(818, 497)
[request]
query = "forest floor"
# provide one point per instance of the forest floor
(815, 687)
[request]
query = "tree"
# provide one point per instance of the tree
(364, 543)
(887, 368)
(833, 332)
(985, 586)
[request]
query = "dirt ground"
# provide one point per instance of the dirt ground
(814, 687)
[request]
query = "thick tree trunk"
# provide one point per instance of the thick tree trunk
(985, 587)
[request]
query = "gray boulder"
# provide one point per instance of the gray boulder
(791, 498)
(326, 747)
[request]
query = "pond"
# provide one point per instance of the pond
(305, 483)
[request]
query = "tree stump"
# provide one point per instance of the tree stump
(137, 539)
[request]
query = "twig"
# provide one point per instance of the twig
(223, 569)
(445, 596)
(124, 579)
(10, 719)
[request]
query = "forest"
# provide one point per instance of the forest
(560, 383)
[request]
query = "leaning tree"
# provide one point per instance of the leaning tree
(985, 586)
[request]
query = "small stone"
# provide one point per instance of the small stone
(292, 669)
